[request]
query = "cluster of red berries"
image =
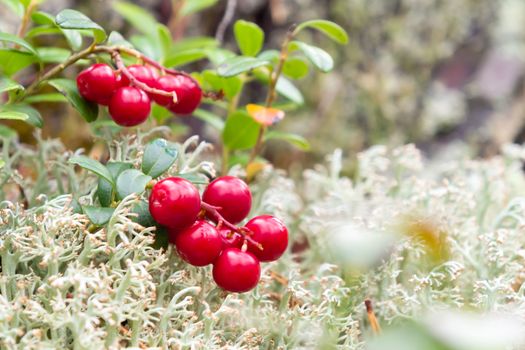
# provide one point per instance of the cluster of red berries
(204, 237)
(128, 104)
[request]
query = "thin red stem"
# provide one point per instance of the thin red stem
(213, 211)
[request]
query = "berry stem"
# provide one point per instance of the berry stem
(213, 211)
(122, 67)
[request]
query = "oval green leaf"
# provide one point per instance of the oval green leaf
(330, 29)
(71, 19)
(159, 156)
(68, 88)
(22, 112)
(294, 139)
(94, 166)
(295, 68)
(249, 37)
(131, 181)
(319, 57)
(287, 89)
(97, 215)
(240, 64)
(240, 131)
(6, 37)
(105, 188)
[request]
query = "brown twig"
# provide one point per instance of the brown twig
(25, 19)
(372, 317)
(213, 211)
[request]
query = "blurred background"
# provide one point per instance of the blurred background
(437, 73)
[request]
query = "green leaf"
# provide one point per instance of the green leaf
(269, 55)
(7, 84)
(240, 64)
(147, 46)
(13, 61)
(94, 166)
(240, 131)
(184, 57)
(97, 215)
(193, 6)
(105, 188)
(2, 163)
(295, 68)
(68, 88)
(320, 58)
(231, 86)
(131, 181)
(53, 54)
(51, 97)
(40, 17)
(159, 156)
(165, 39)
(12, 115)
(137, 16)
(198, 42)
(115, 38)
(287, 89)
(249, 37)
(21, 112)
(209, 118)
(195, 178)
(218, 56)
(73, 37)
(6, 37)
(71, 19)
(330, 29)
(143, 217)
(294, 139)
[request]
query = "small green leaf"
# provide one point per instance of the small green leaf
(15, 111)
(40, 17)
(131, 181)
(71, 19)
(218, 56)
(73, 37)
(68, 88)
(13, 61)
(115, 38)
(143, 217)
(287, 89)
(6, 37)
(105, 188)
(193, 6)
(53, 54)
(159, 156)
(231, 86)
(240, 131)
(249, 37)
(330, 29)
(165, 39)
(209, 118)
(98, 215)
(137, 16)
(12, 115)
(320, 58)
(295, 68)
(7, 84)
(240, 64)
(195, 178)
(51, 97)
(7, 132)
(198, 42)
(146, 45)
(180, 58)
(296, 140)
(269, 55)
(94, 166)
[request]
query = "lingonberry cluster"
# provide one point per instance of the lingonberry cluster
(128, 92)
(204, 231)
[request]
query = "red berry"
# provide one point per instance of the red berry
(271, 233)
(200, 244)
(175, 203)
(232, 195)
(236, 271)
(189, 93)
(129, 106)
(144, 74)
(230, 239)
(97, 83)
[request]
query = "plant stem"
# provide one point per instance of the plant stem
(25, 19)
(274, 77)
(213, 211)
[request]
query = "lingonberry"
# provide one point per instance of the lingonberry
(129, 106)
(97, 83)
(236, 271)
(142, 73)
(200, 244)
(271, 233)
(175, 203)
(230, 239)
(232, 195)
(189, 93)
